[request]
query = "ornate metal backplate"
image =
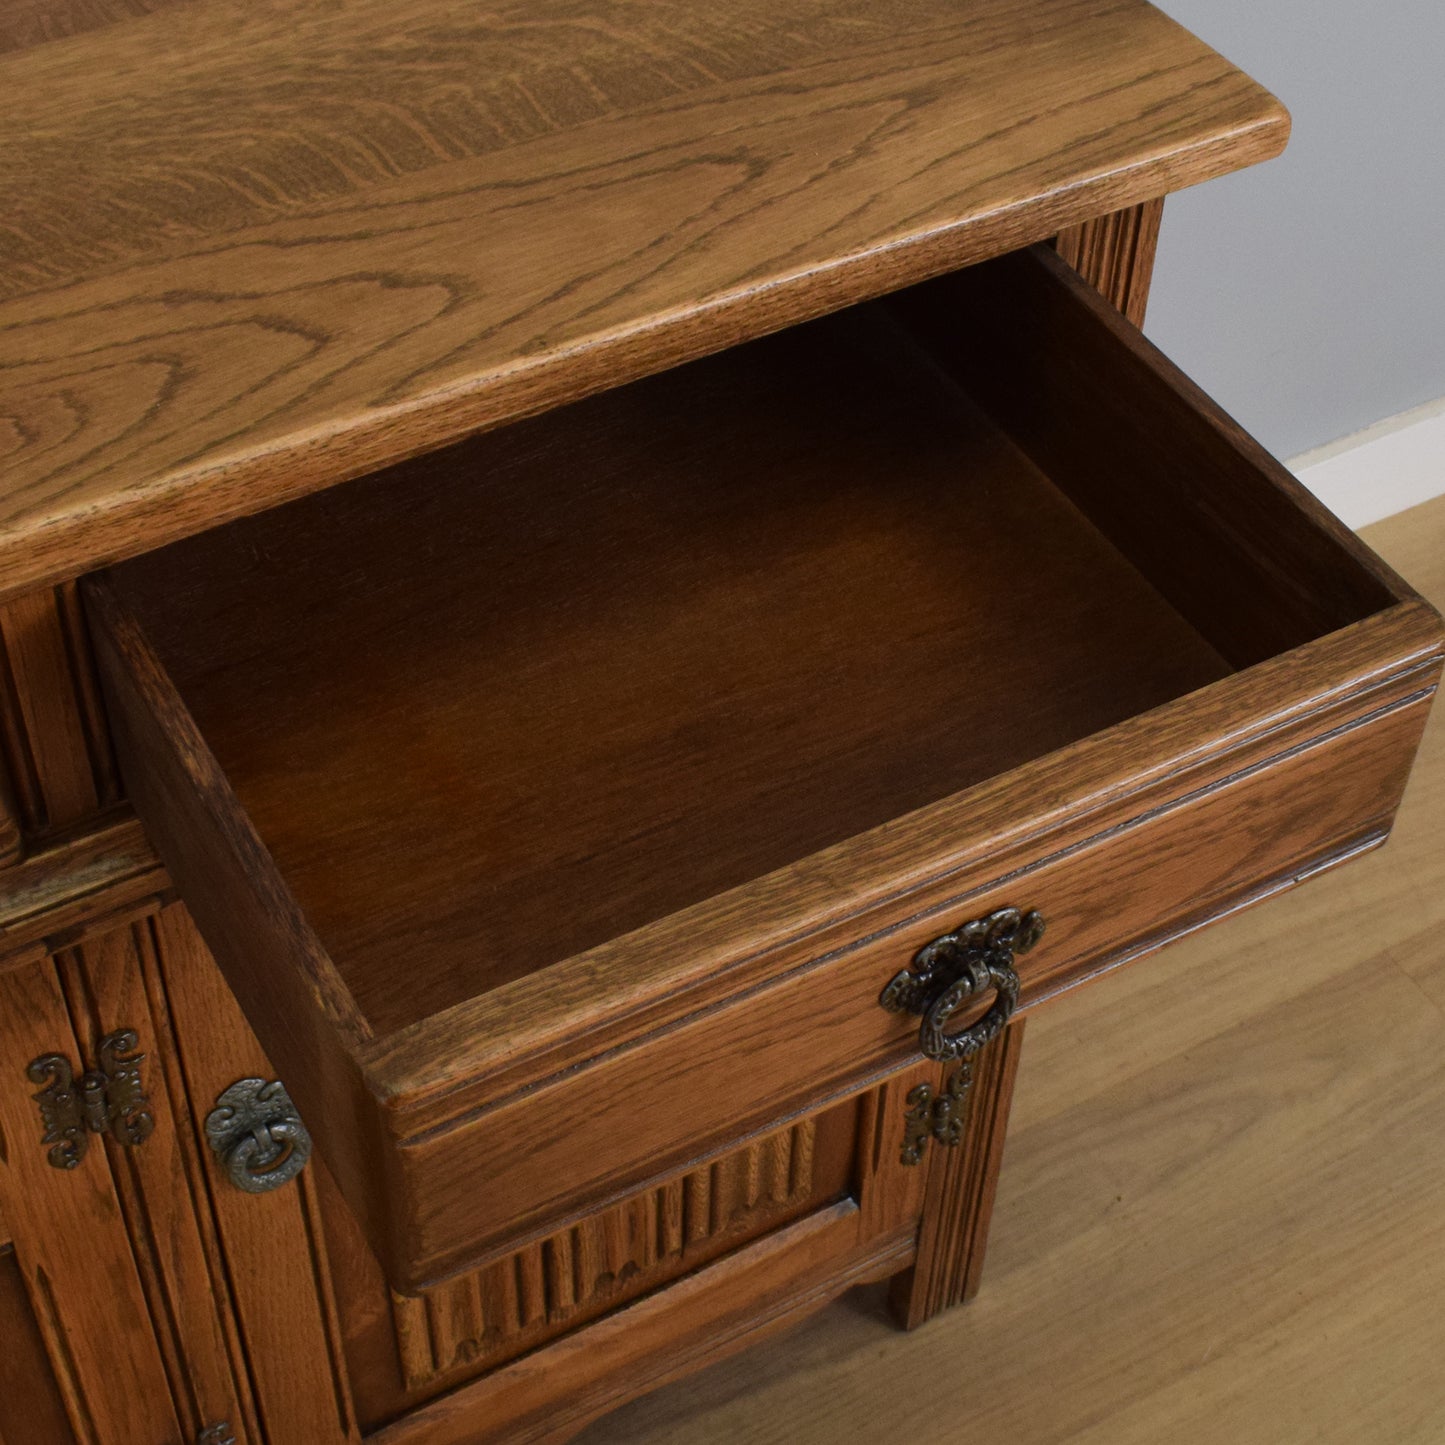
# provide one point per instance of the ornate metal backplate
(108, 1099)
(936, 1113)
(258, 1136)
(944, 976)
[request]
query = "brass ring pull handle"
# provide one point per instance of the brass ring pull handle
(977, 978)
(944, 976)
(257, 1135)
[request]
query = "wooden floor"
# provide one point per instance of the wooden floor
(1222, 1212)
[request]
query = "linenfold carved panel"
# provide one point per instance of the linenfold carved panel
(606, 1255)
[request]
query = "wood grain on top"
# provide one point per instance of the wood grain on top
(252, 249)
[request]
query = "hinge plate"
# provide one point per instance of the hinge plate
(108, 1099)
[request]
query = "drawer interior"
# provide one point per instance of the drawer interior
(498, 705)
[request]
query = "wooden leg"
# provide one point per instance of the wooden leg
(958, 1198)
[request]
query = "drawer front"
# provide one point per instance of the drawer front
(821, 1031)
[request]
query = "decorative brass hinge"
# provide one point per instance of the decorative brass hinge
(936, 1113)
(107, 1099)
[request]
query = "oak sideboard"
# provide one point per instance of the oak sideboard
(595, 600)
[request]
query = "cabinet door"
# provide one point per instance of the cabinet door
(72, 1250)
(115, 1241)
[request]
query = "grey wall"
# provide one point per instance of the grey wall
(1308, 294)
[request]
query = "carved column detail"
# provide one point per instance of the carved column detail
(12, 841)
(1115, 254)
(57, 767)
(958, 1202)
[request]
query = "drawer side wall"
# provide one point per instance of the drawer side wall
(1203, 511)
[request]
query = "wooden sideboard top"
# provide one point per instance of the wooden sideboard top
(253, 249)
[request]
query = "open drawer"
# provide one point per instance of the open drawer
(559, 805)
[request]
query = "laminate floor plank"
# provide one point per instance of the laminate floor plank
(1222, 1210)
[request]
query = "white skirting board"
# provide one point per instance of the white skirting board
(1395, 464)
